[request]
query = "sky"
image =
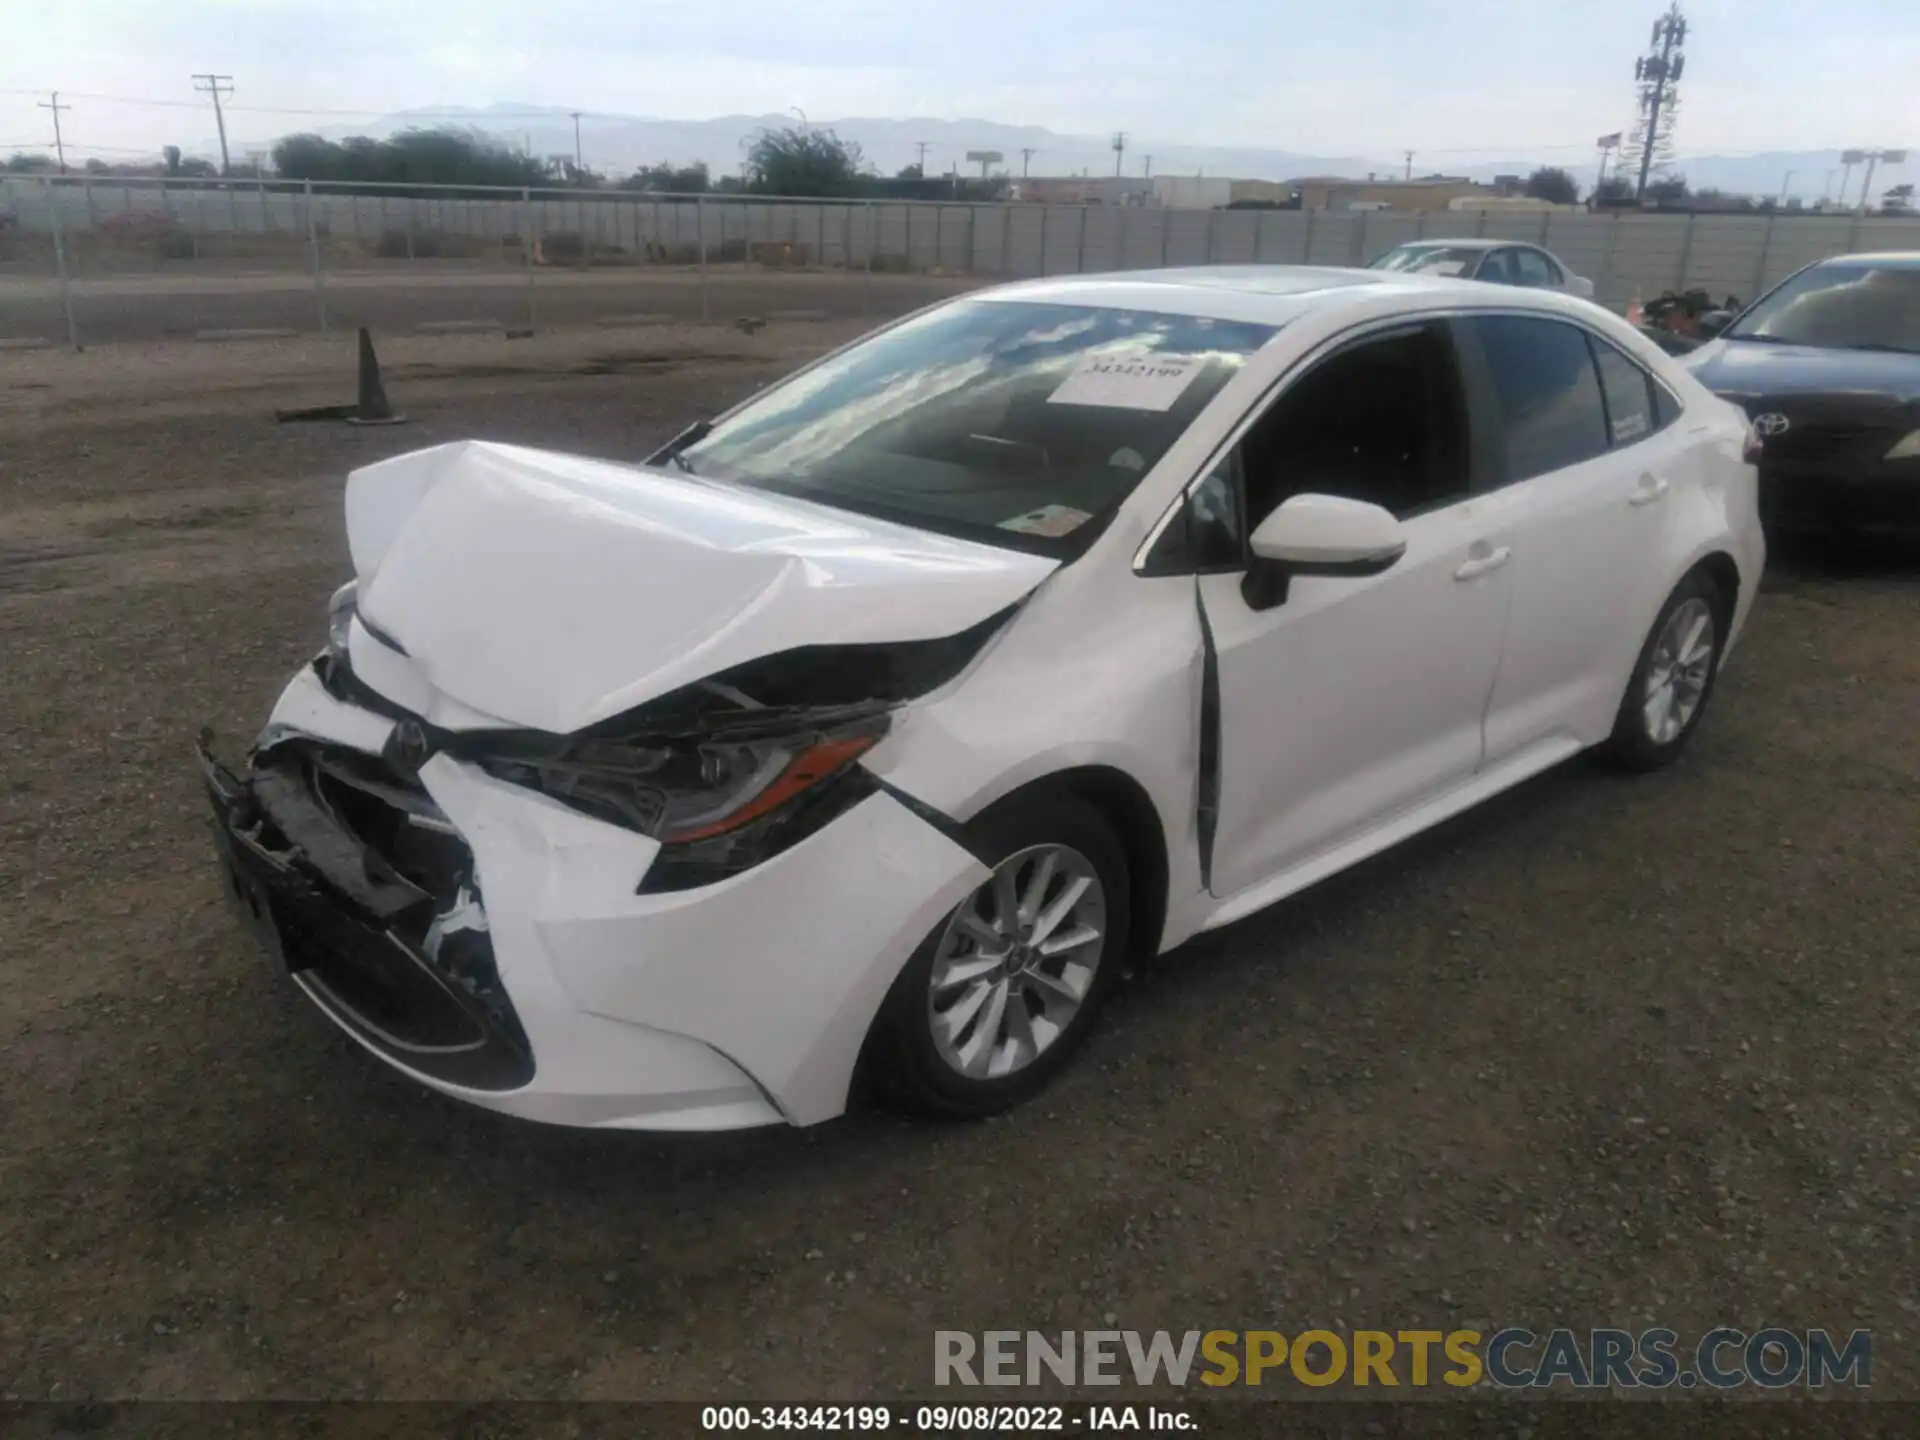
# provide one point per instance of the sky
(1455, 81)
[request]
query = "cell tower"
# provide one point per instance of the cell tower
(1658, 74)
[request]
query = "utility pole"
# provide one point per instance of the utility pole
(217, 86)
(1874, 157)
(60, 148)
(1659, 75)
(579, 160)
(1026, 156)
(1146, 169)
(921, 163)
(1409, 165)
(1119, 149)
(1785, 185)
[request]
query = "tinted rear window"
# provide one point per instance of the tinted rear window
(1548, 394)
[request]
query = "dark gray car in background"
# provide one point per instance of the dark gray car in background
(1827, 365)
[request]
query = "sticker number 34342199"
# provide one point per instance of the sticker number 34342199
(1128, 381)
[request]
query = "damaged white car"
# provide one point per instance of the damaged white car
(871, 728)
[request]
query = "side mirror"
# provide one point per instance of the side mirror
(1320, 535)
(1580, 287)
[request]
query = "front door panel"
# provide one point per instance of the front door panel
(1354, 699)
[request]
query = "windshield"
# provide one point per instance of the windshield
(1841, 307)
(1014, 423)
(1430, 259)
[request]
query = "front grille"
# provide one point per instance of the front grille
(1809, 442)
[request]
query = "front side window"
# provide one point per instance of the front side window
(1382, 420)
(1530, 267)
(1013, 423)
(1840, 306)
(1205, 533)
(1545, 390)
(1497, 269)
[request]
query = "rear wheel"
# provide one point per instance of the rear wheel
(1000, 994)
(1673, 679)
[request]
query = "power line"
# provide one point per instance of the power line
(217, 86)
(59, 145)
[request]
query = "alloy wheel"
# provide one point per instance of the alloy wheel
(1678, 671)
(1017, 961)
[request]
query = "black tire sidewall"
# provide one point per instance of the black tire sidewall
(1631, 743)
(904, 1062)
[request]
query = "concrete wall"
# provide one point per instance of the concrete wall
(1625, 255)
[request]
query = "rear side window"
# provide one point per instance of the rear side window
(1631, 410)
(1546, 390)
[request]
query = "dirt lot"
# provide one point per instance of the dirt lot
(1608, 1052)
(183, 300)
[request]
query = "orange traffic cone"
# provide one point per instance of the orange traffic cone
(1636, 314)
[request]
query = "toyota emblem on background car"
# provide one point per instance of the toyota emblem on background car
(1771, 424)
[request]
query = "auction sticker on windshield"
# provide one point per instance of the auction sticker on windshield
(1121, 381)
(1051, 521)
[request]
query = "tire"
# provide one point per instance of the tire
(1646, 737)
(909, 1062)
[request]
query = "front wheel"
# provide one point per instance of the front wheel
(999, 995)
(1673, 679)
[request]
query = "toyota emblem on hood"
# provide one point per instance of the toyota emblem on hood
(1771, 424)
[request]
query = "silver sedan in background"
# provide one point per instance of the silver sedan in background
(1499, 262)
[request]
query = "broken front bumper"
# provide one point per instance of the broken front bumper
(402, 962)
(493, 943)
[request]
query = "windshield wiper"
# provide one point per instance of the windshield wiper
(685, 440)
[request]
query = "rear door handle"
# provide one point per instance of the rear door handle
(1650, 489)
(1483, 564)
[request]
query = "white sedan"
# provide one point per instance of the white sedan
(872, 728)
(1493, 262)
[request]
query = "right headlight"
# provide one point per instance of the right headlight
(341, 607)
(682, 792)
(1907, 448)
(717, 805)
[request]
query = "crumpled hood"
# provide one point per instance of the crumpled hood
(553, 592)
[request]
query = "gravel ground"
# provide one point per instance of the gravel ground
(184, 300)
(1608, 1051)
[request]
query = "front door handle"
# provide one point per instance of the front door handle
(1482, 564)
(1650, 489)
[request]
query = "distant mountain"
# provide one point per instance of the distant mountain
(617, 144)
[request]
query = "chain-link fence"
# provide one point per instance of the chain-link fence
(85, 259)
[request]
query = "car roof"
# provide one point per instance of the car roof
(1885, 259)
(1262, 294)
(1460, 242)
